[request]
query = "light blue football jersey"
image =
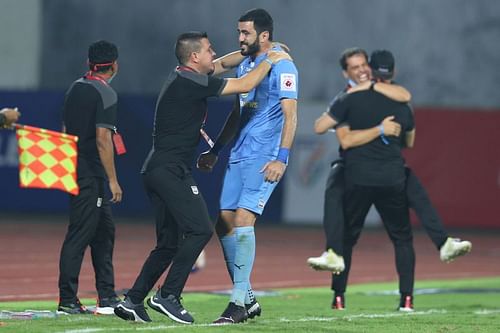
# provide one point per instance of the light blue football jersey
(261, 121)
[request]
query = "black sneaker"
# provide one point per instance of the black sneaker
(107, 305)
(72, 308)
(232, 315)
(127, 310)
(406, 303)
(338, 302)
(253, 309)
(171, 307)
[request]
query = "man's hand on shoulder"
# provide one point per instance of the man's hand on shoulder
(283, 46)
(276, 56)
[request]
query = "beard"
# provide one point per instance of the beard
(252, 49)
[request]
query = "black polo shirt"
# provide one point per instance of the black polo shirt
(180, 112)
(374, 163)
(330, 109)
(89, 104)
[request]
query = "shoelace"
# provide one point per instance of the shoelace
(177, 302)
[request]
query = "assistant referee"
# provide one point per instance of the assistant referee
(89, 112)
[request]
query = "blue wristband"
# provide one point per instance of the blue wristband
(283, 155)
(216, 148)
(382, 136)
(269, 61)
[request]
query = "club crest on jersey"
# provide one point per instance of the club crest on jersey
(194, 189)
(288, 82)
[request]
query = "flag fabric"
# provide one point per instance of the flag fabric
(47, 159)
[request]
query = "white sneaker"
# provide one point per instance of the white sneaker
(328, 261)
(452, 248)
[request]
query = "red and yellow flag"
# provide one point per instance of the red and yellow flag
(47, 159)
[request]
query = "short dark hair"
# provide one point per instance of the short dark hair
(349, 53)
(262, 20)
(188, 43)
(102, 52)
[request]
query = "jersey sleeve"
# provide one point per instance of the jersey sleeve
(288, 79)
(215, 85)
(411, 118)
(105, 115)
(338, 110)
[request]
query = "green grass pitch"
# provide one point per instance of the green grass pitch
(464, 306)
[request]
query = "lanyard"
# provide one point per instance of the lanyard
(89, 76)
(204, 133)
(185, 69)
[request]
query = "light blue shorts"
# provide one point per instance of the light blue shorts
(244, 186)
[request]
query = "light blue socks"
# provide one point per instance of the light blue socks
(228, 243)
(244, 255)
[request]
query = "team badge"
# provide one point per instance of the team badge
(194, 189)
(261, 204)
(288, 82)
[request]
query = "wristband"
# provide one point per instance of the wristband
(283, 155)
(216, 148)
(269, 61)
(372, 85)
(382, 136)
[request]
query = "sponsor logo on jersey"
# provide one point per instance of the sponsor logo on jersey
(288, 82)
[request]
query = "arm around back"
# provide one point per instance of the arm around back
(324, 123)
(249, 81)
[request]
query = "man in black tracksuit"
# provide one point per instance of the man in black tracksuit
(183, 226)
(90, 113)
(375, 174)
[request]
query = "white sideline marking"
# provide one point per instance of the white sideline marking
(365, 315)
(306, 319)
(486, 312)
(145, 328)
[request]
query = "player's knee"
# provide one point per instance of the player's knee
(244, 222)
(224, 224)
(244, 218)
